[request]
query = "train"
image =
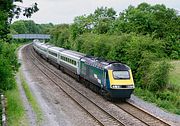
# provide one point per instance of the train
(113, 80)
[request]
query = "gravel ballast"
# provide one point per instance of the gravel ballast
(58, 109)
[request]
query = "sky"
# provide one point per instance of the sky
(64, 11)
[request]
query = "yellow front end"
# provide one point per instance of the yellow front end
(121, 83)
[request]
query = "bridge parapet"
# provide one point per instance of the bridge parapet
(31, 36)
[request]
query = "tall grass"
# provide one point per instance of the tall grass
(175, 73)
(16, 113)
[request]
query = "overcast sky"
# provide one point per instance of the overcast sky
(64, 11)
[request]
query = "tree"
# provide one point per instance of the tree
(157, 21)
(8, 10)
(99, 22)
(19, 27)
(61, 35)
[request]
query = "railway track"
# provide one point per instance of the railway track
(142, 115)
(101, 116)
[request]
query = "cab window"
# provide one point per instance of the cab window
(121, 74)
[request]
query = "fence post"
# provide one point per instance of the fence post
(3, 103)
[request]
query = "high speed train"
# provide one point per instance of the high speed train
(113, 80)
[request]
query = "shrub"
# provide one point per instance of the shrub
(157, 76)
(8, 64)
(174, 55)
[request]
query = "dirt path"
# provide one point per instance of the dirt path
(29, 111)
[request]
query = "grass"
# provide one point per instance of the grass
(16, 113)
(175, 73)
(169, 98)
(0, 111)
(31, 99)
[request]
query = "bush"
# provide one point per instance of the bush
(8, 64)
(157, 76)
(174, 55)
(6, 76)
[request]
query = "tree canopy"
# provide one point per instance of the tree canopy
(8, 10)
(157, 21)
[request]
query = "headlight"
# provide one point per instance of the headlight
(130, 86)
(122, 86)
(116, 86)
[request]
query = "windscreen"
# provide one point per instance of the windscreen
(121, 74)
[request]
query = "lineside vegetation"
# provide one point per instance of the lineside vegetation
(31, 99)
(8, 60)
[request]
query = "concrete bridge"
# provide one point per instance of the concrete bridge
(31, 36)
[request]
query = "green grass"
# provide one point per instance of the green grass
(169, 98)
(16, 113)
(175, 73)
(31, 100)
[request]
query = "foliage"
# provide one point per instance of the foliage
(165, 99)
(16, 112)
(8, 57)
(60, 35)
(8, 10)
(157, 76)
(29, 27)
(174, 76)
(157, 21)
(8, 64)
(99, 22)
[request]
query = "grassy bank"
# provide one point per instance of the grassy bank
(31, 99)
(175, 73)
(16, 113)
(169, 98)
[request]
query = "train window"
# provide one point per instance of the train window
(75, 63)
(121, 74)
(52, 53)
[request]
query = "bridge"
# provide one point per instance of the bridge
(31, 36)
